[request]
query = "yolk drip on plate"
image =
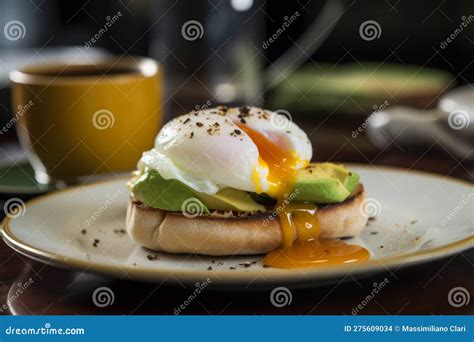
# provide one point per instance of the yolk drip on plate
(299, 222)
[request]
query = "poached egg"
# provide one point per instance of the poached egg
(246, 148)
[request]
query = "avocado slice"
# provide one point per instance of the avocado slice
(348, 179)
(156, 192)
(318, 183)
(324, 183)
(168, 194)
(230, 199)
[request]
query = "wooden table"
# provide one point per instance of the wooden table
(419, 289)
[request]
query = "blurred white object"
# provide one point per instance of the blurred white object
(451, 124)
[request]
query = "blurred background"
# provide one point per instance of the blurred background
(340, 69)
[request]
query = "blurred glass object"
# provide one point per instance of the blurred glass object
(209, 51)
(213, 51)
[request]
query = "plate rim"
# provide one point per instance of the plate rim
(232, 277)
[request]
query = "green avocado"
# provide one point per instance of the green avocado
(230, 199)
(324, 183)
(321, 183)
(168, 194)
(348, 179)
(156, 192)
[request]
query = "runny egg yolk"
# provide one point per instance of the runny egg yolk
(299, 221)
(281, 165)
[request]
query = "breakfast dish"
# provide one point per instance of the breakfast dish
(83, 228)
(228, 181)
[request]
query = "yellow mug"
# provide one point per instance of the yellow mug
(81, 120)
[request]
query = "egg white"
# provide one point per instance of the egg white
(207, 151)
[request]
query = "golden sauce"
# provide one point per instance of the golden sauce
(299, 221)
(316, 253)
(301, 244)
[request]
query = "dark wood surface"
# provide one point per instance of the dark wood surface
(421, 289)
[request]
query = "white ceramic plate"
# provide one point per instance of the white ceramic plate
(420, 217)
